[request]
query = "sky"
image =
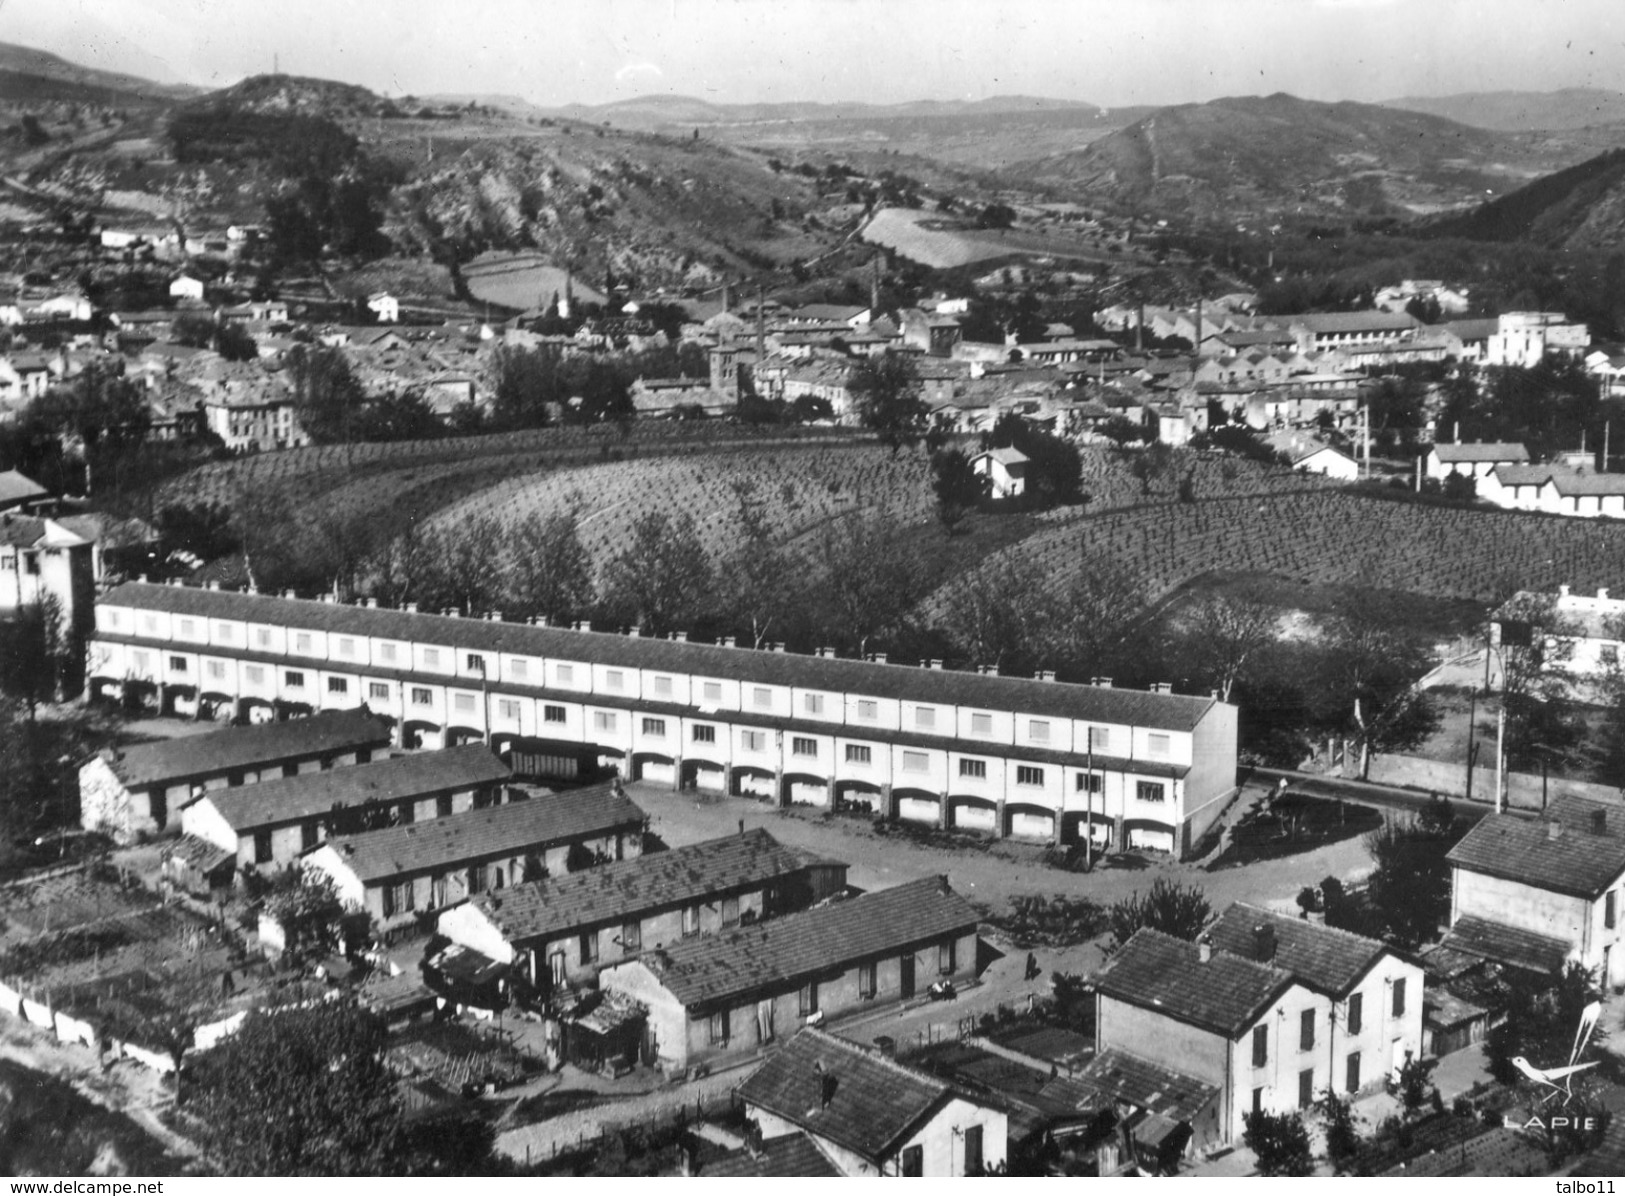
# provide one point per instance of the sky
(1110, 52)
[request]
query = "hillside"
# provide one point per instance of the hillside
(1280, 156)
(1523, 111)
(295, 95)
(23, 67)
(1582, 207)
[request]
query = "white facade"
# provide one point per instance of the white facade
(738, 726)
(1523, 338)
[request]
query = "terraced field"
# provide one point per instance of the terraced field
(414, 478)
(800, 487)
(1335, 537)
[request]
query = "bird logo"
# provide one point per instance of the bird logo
(1561, 1079)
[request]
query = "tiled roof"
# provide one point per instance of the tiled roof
(944, 686)
(18, 488)
(1119, 1076)
(33, 531)
(874, 1101)
(1355, 321)
(1159, 972)
(1464, 453)
(290, 799)
(1472, 330)
(1522, 475)
(1579, 861)
(1574, 482)
(1507, 944)
(771, 955)
(201, 855)
(793, 1156)
(612, 893)
(486, 834)
(1327, 960)
(216, 752)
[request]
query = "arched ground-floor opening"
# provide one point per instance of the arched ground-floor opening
(1147, 834)
(918, 805)
(750, 781)
(457, 736)
(654, 767)
(611, 761)
(1073, 824)
(286, 710)
(805, 789)
(859, 797)
(421, 734)
(140, 697)
(180, 700)
(254, 711)
(966, 813)
(216, 707)
(704, 776)
(1022, 821)
(106, 689)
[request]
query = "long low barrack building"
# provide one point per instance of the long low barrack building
(1027, 757)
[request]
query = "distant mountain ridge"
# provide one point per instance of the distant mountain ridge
(1582, 207)
(671, 109)
(22, 67)
(1523, 111)
(1281, 155)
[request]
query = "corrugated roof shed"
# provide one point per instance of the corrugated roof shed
(615, 892)
(1580, 860)
(290, 799)
(1327, 960)
(1507, 944)
(1120, 1076)
(872, 1101)
(487, 834)
(1156, 971)
(944, 686)
(218, 752)
(706, 971)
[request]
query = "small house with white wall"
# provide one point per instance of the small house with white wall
(1540, 892)
(187, 287)
(872, 1116)
(1005, 470)
(1475, 461)
(1311, 455)
(385, 307)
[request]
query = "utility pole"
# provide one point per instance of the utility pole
(1089, 807)
(1500, 753)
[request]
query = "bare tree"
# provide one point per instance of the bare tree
(757, 579)
(1000, 611)
(1224, 633)
(871, 577)
(1093, 615)
(663, 577)
(549, 568)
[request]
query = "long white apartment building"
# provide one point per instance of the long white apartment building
(1030, 758)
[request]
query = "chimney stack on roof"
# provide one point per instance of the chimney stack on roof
(1602, 593)
(728, 641)
(1554, 829)
(451, 612)
(1204, 950)
(1044, 675)
(635, 631)
(370, 603)
(410, 608)
(493, 616)
(679, 637)
(1264, 942)
(877, 658)
(581, 625)
(776, 646)
(936, 663)
(289, 594)
(1161, 687)
(1101, 682)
